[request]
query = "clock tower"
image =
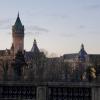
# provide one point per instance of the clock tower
(18, 35)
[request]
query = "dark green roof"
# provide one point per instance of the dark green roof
(18, 22)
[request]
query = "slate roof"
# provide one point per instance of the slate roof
(35, 48)
(18, 22)
(70, 56)
(82, 54)
(28, 56)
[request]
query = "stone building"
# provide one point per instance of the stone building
(30, 75)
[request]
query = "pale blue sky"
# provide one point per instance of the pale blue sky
(60, 26)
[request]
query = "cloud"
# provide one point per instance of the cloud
(68, 35)
(47, 14)
(36, 30)
(94, 32)
(93, 7)
(61, 16)
(5, 24)
(81, 27)
(4, 21)
(5, 27)
(32, 33)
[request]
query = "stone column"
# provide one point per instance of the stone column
(96, 93)
(41, 93)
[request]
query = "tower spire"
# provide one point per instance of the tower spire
(82, 46)
(18, 22)
(35, 41)
(18, 14)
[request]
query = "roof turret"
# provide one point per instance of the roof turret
(82, 54)
(35, 48)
